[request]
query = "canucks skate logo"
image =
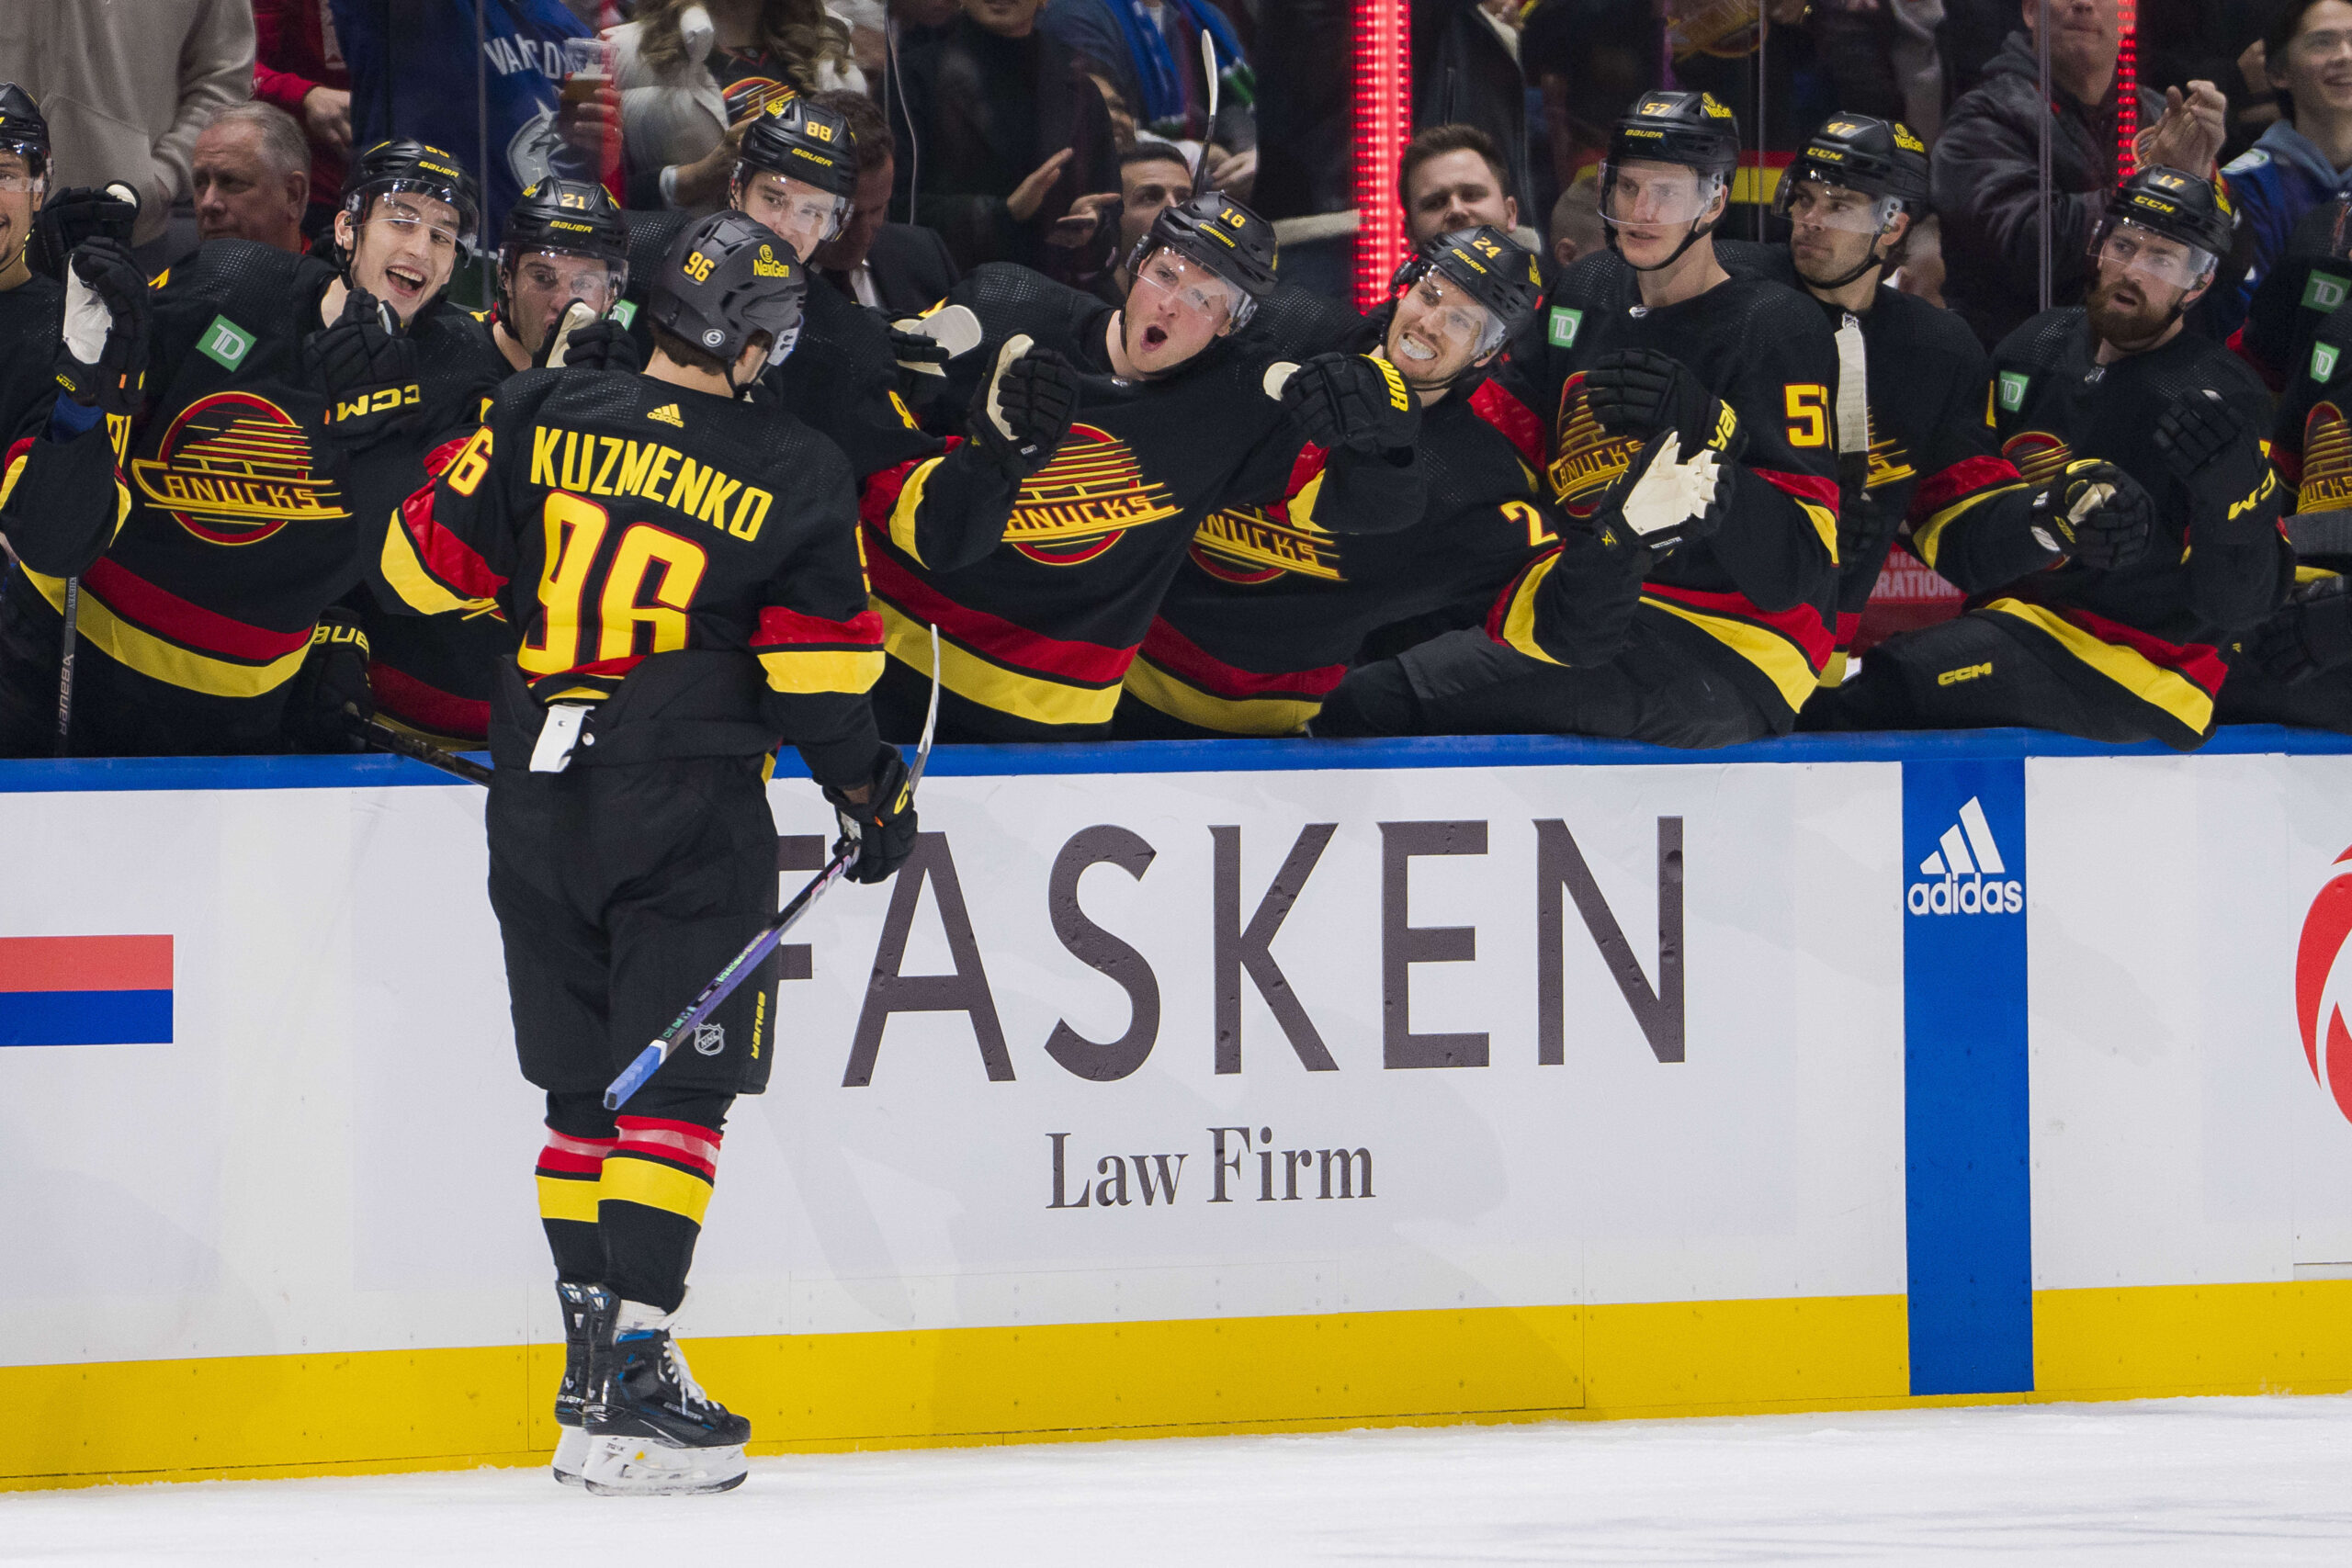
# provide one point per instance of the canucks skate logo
(234, 469)
(1590, 458)
(710, 1039)
(2328, 460)
(1964, 875)
(2040, 456)
(1890, 464)
(1253, 545)
(1079, 504)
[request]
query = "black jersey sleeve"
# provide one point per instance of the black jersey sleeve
(1779, 540)
(2238, 560)
(818, 642)
(63, 501)
(1574, 605)
(1971, 514)
(450, 546)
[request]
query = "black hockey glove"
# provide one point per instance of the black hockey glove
(102, 360)
(582, 340)
(78, 214)
(1358, 401)
(2310, 636)
(1639, 392)
(364, 367)
(2096, 513)
(913, 350)
(883, 824)
(1663, 498)
(2215, 451)
(1023, 409)
(329, 694)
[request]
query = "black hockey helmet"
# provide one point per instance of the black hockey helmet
(1219, 234)
(576, 218)
(22, 128)
(2178, 206)
(800, 140)
(727, 278)
(403, 165)
(1490, 267)
(1692, 129)
(1876, 157)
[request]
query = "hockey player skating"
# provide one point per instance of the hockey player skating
(1270, 607)
(1690, 428)
(2102, 611)
(683, 570)
(279, 408)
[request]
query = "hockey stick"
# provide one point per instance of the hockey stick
(740, 968)
(384, 738)
(65, 667)
(1208, 133)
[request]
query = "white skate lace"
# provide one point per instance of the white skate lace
(681, 1375)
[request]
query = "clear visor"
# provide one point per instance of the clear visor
(20, 166)
(1195, 289)
(1443, 311)
(416, 206)
(556, 277)
(1650, 195)
(1811, 203)
(792, 208)
(2150, 255)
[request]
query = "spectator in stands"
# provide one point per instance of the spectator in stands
(1150, 51)
(896, 267)
(251, 173)
(1577, 230)
(1466, 72)
(687, 96)
(299, 66)
(1592, 59)
(1983, 167)
(126, 89)
(1013, 144)
(2303, 159)
(1153, 177)
(1452, 177)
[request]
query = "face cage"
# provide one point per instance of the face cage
(740, 190)
(361, 202)
(2206, 261)
(1872, 219)
(1710, 183)
(1239, 306)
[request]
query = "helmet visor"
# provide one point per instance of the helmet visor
(1811, 202)
(23, 167)
(2155, 257)
(1641, 194)
(1443, 310)
(1192, 287)
(803, 214)
(410, 206)
(559, 276)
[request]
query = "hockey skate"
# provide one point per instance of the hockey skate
(650, 1429)
(587, 1318)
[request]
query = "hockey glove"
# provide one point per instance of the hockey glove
(1643, 394)
(2214, 450)
(923, 344)
(1354, 400)
(1662, 499)
(915, 352)
(584, 341)
(329, 696)
(102, 361)
(365, 367)
(2310, 636)
(1023, 411)
(2095, 513)
(883, 824)
(75, 214)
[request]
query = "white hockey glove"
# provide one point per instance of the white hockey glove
(1662, 500)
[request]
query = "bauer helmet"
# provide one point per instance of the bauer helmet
(1876, 158)
(565, 218)
(1694, 129)
(1494, 269)
(1215, 232)
(402, 165)
(24, 132)
(800, 140)
(727, 279)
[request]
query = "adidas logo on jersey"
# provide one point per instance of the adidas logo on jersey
(668, 414)
(1966, 871)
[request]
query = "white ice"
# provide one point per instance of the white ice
(2203, 1481)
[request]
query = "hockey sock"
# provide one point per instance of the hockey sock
(650, 1202)
(570, 1168)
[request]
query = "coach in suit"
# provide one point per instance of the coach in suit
(900, 268)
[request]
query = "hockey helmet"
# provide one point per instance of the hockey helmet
(1219, 234)
(1490, 267)
(555, 217)
(1694, 129)
(1876, 157)
(402, 165)
(2181, 207)
(727, 278)
(804, 141)
(23, 130)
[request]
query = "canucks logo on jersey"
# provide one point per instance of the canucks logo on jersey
(1079, 506)
(1590, 458)
(233, 469)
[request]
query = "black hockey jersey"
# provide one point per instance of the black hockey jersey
(239, 535)
(65, 495)
(2307, 284)
(1759, 597)
(684, 562)
(2153, 628)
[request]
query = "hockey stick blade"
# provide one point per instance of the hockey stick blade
(1208, 133)
(384, 738)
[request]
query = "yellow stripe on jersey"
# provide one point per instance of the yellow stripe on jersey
(1825, 523)
(902, 515)
(1178, 698)
(2152, 684)
(1518, 621)
(1779, 659)
(1930, 536)
(406, 571)
(1033, 697)
(569, 1197)
(158, 659)
(653, 1186)
(807, 672)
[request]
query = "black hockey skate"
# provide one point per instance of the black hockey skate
(588, 1311)
(651, 1430)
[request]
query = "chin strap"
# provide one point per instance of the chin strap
(1876, 258)
(1697, 233)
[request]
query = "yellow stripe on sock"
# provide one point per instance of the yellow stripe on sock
(653, 1185)
(568, 1197)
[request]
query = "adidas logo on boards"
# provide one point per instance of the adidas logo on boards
(668, 414)
(1965, 870)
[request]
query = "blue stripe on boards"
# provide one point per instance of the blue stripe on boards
(86, 1018)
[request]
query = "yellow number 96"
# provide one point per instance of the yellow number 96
(699, 266)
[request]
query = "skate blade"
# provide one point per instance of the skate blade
(641, 1467)
(571, 1455)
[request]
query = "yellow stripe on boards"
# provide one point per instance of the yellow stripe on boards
(1178, 698)
(2289, 1336)
(968, 675)
(656, 1186)
(2152, 683)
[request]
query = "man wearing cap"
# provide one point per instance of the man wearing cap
(2098, 611)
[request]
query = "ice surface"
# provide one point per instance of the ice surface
(2206, 1480)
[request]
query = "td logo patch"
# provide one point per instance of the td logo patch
(2013, 385)
(2323, 358)
(1564, 325)
(225, 343)
(2325, 291)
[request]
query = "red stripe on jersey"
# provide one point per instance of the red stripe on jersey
(448, 557)
(160, 610)
(1804, 487)
(1083, 663)
(1849, 625)
(1802, 624)
(426, 705)
(780, 627)
(1514, 419)
(2197, 662)
(1175, 652)
(1939, 489)
(1498, 613)
(878, 496)
(15, 454)
(1303, 467)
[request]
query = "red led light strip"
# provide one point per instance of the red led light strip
(2127, 91)
(1384, 123)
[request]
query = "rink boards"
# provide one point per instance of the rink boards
(1245, 1087)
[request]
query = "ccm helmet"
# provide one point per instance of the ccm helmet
(2178, 206)
(1490, 267)
(1219, 234)
(727, 279)
(570, 218)
(1694, 129)
(1877, 158)
(406, 167)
